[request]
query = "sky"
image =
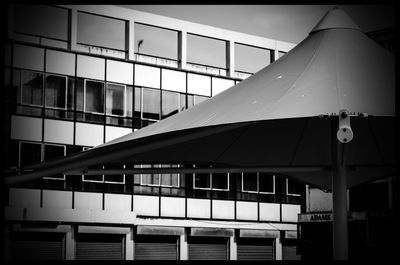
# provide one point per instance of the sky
(290, 23)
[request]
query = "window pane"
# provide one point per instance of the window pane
(42, 20)
(101, 31)
(32, 85)
(169, 179)
(30, 154)
(94, 97)
(150, 179)
(220, 84)
(129, 101)
(79, 94)
(199, 84)
(114, 178)
(206, 51)
(220, 180)
(202, 180)
(183, 102)
(97, 178)
(170, 103)
(115, 99)
(266, 182)
(53, 151)
(55, 94)
(150, 37)
(250, 182)
(190, 101)
(151, 104)
(138, 101)
(173, 80)
(251, 59)
(294, 187)
(70, 93)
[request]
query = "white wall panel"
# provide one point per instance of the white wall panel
(60, 62)
(147, 76)
(221, 84)
(28, 57)
(199, 84)
(270, 211)
(119, 72)
(88, 201)
(24, 197)
(290, 212)
(90, 67)
(117, 202)
(174, 207)
(58, 131)
(223, 209)
(145, 205)
(57, 199)
(199, 208)
(26, 128)
(88, 134)
(113, 132)
(246, 210)
(173, 80)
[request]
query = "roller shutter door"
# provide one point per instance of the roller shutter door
(255, 249)
(37, 246)
(212, 248)
(99, 247)
(156, 247)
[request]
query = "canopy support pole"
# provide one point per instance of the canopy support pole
(339, 211)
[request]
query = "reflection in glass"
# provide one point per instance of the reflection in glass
(199, 99)
(101, 31)
(150, 179)
(30, 153)
(266, 182)
(170, 103)
(56, 91)
(151, 104)
(251, 59)
(170, 179)
(206, 51)
(250, 182)
(94, 96)
(202, 180)
(32, 87)
(115, 99)
(220, 181)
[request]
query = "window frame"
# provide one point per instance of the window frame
(21, 87)
(211, 183)
(125, 100)
(159, 179)
(142, 105)
(84, 96)
(43, 153)
(66, 92)
(258, 185)
(28, 142)
(115, 182)
(287, 190)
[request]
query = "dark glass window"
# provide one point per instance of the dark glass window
(52, 152)
(294, 187)
(80, 91)
(171, 103)
(151, 104)
(101, 31)
(115, 179)
(266, 182)
(170, 179)
(137, 102)
(220, 181)
(30, 153)
(40, 20)
(250, 182)
(115, 100)
(150, 179)
(32, 87)
(94, 96)
(92, 178)
(202, 180)
(56, 91)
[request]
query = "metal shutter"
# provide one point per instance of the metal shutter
(156, 248)
(203, 248)
(255, 249)
(99, 247)
(37, 246)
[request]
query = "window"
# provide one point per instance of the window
(156, 179)
(101, 31)
(31, 88)
(172, 103)
(250, 59)
(150, 104)
(214, 181)
(51, 152)
(206, 51)
(40, 20)
(92, 178)
(258, 182)
(94, 96)
(220, 181)
(115, 100)
(56, 91)
(294, 188)
(29, 153)
(115, 179)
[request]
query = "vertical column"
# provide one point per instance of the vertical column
(278, 248)
(276, 51)
(73, 29)
(232, 248)
(129, 245)
(183, 246)
(70, 244)
(130, 40)
(230, 58)
(182, 49)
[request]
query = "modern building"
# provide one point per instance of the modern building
(79, 76)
